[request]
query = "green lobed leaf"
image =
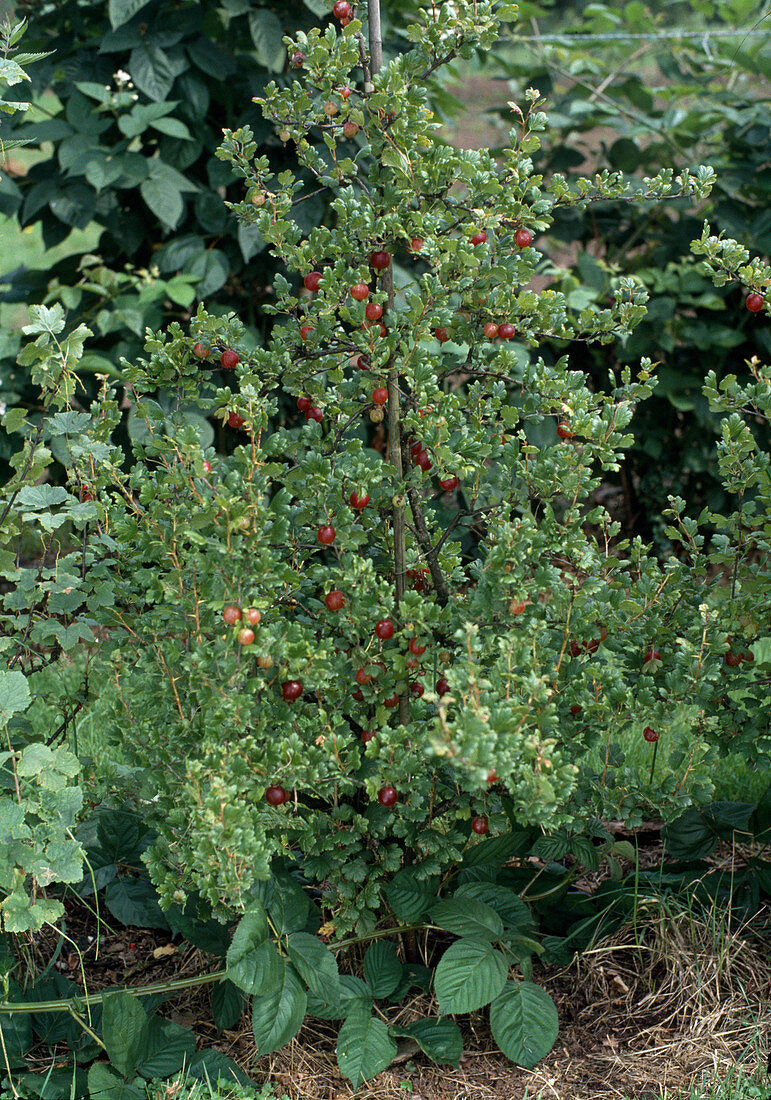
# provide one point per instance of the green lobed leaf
(14, 694)
(524, 1022)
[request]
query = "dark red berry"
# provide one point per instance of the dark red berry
(304, 403)
(360, 292)
(506, 330)
(314, 414)
(650, 734)
(229, 359)
(416, 647)
(335, 600)
(384, 629)
(417, 688)
(207, 466)
(387, 796)
(563, 430)
(391, 702)
(733, 660)
(492, 777)
(305, 331)
(479, 825)
(424, 461)
(415, 245)
(312, 280)
(380, 260)
(341, 9)
(373, 311)
(245, 635)
(755, 302)
(200, 351)
(575, 648)
(479, 238)
(441, 335)
(363, 677)
(651, 655)
(358, 502)
(490, 330)
(235, 421)
(576, 709)
(523, 238)
(449, 483)
(276, 796)
(367, 736)
(358, 695)
(326, 534)
(380, 395)
(291, 690)
(298, 59)
(442, 687)
(231, 614)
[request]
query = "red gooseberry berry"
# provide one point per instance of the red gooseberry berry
(506, 330)
(747, 656)
(229, 359)
(314, 414)
(592, 646)
(424, 461)
(755, 302)
(85, 494)
(373, 311)
(358, 502)
(253, 616)
(367, 736)
(362, 362)
(479, 825)
(415, 246)
(442, 335)
(387, 796)
(523, 238)
(416, 647)
(563, 430)
(415, 449)
(412, 663)
(391, 702)
(312, 280)
(417, 689)
(200, 351)
(490, 330)
(304, 403)
(358, 695)
(380, 260)
(516, 607)
(442, 687)
(231, 614)
(575, 648)
(576, 709)
(346, 92)
(650, 734)
(245, 635)
(360, 291)
(479, 238)
(207, 466)
(298, 58)
(652, 655)
(363, 677)
(235, 421)
(492, 777)
(276, 796)
(449, 483)
(291, 690)
(350, 129)
(335, 600)
(326, 534)
(733, 660)
(305, 331)
(380, 395)
(384, 629)
(341, 9)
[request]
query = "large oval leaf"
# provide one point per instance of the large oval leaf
(506, 902)
(524, 1022)
(364, 1047)
(408, 896)
(469, 975)
(354, 993)
(277, 1016)
(467, 917)
(242, 960)
(439, 1039)
(382, 968)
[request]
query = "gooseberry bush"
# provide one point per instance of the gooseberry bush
(361, 656)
